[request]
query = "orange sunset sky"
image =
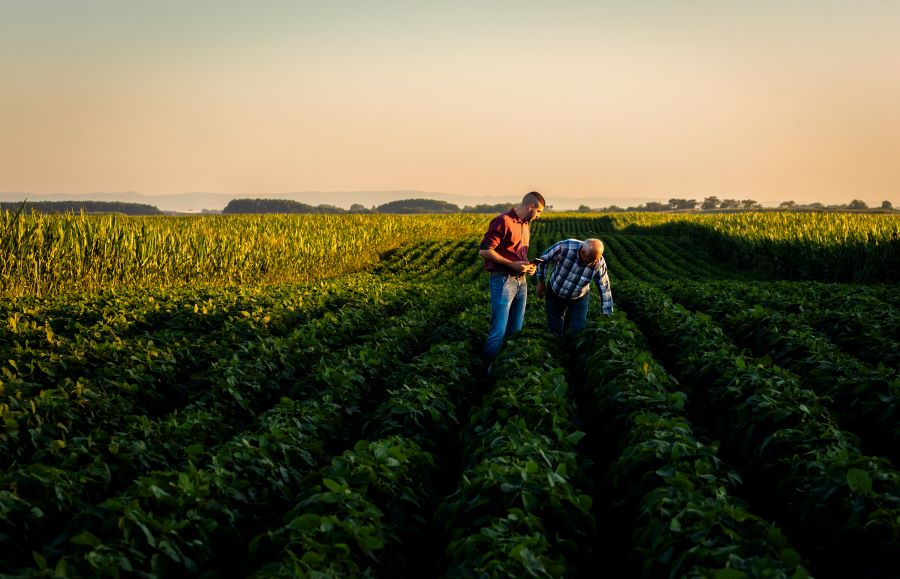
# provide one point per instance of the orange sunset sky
(770, 100)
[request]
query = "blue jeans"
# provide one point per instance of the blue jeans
(558, 309)
(508, 295)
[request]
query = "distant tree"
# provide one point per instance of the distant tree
(729, 204)
(417, 206)
(887, 205)
(484, 208)
(654, 206)
(710, 203)
(262, 206)
(614, 209)
(857, 204)
(682, 203)
(749, 204)
(358, 208)
(815, 205)
(787, 205)
(584, 209)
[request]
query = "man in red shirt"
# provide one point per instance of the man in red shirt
(505, 253)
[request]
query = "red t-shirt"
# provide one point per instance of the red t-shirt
(509, 236)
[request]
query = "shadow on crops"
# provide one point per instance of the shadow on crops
(827, 262)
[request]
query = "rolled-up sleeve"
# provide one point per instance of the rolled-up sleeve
(493, 236)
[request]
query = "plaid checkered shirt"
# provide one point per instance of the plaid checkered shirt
(570, 279)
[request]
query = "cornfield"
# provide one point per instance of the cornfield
(62, 254)
(815, 246)
(54, 254)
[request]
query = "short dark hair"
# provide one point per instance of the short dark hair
(534, 197)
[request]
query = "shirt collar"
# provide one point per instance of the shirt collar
(514, 215)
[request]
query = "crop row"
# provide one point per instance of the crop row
(111, 378)
(824, 247)
(522, 506)
(188, 519)
(436, 260)
(856, 318)
(369, 510)
(623, 265)
(813, 246)
(865, 400)
(842, 507)
(668, 486)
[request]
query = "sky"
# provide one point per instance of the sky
(771, 100)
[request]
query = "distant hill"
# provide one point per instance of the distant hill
(79, 206)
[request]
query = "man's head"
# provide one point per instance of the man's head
(532, 205)
(591, 251)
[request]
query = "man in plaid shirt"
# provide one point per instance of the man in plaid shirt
(575, 264)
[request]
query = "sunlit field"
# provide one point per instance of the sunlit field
(49, 254)
(304, 396)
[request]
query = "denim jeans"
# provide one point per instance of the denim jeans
(508, 295)
(558, 309)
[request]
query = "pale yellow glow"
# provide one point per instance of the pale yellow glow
(577, 99)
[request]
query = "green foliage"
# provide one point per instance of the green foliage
(123, 208)
(51, 255)
(521, 507)
(278, 206)
(677, 493)
(348, 426)
(791, 447)
(417, 206)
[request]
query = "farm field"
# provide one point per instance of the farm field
(311, 401)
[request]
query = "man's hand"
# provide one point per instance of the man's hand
(541, 289)
(524, 267)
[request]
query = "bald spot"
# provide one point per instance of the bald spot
(593, 248)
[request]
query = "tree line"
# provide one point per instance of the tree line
(713, 203)
(121, 207)
(404, 206)
(416, 206)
